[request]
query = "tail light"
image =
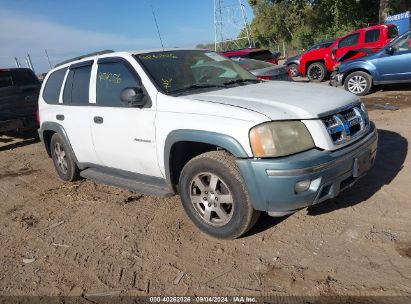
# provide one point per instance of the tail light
(264, 77)
(38, 116)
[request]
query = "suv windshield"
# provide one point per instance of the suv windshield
(181, 70)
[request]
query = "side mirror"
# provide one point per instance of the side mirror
(390, 50)
(133, 97)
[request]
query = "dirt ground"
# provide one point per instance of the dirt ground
(82, 238)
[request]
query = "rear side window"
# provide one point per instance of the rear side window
(5, 79)
(24, 77)
(77, 86)
(112, 78)
(349, 40)
(53, 86)
(372, 36)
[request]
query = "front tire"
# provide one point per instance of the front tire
(215, 197)
(358, 83)
(294, 70)
(63, 161)
(317, 72)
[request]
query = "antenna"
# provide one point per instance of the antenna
(158, 30)
(230, 18)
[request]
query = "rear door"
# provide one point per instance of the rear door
(123, 136)
(373, 39)
(74, 111)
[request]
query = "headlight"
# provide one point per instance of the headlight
(280, 138)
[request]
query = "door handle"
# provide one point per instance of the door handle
(98, 119)
(60, 117)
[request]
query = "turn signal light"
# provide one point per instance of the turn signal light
(264, 77)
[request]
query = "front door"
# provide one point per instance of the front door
(123, 136)
(397, 65)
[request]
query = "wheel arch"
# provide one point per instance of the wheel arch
(308, 63)
(183, 145)
(47, 130)
(357, 69)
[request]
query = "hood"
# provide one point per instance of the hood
(281, 100)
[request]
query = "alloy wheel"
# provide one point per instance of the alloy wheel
(211, 198)
(357, 84)
(60, 157)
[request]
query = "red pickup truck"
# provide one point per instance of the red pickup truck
(317, 64)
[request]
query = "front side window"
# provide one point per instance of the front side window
(350, 40)
(182, 70)
(112, 79)
(5, 79)
(53, 86)
(372, 36)
(76, 90)
(403, 44)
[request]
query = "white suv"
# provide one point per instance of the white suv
(195, 123)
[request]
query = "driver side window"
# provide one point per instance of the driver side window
(403, 44)
(350, 40)
(112, 79)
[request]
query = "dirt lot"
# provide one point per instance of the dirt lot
(82, 238)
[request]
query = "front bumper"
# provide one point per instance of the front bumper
(336, 79)
(271, 182)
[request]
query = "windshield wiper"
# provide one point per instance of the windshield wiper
(196, 86)
(238, 81)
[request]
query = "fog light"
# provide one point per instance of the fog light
(302, 186)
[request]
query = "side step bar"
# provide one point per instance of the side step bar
(135, 183)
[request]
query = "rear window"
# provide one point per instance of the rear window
(260, 55)
(24, 77)
(392, 32)
(5, 79)
(53, 86)
(372, 36)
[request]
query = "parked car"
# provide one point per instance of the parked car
(231, 146)
(265, 70)
(294, 62)
(19, 89)
(317, 64)
(390, 65)
(253, 53)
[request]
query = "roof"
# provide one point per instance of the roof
(113, 53)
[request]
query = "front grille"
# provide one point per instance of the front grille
(346, 125)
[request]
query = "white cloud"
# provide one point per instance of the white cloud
(23, 33)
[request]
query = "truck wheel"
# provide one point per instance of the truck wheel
(63, 162)
(294, 70)
(215, 197)
(358, 83)
(316, 72)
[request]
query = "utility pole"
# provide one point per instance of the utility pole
(48, 58)
(230, 18)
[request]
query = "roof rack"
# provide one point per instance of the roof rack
(85, 56)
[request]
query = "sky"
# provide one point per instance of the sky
(70, 28)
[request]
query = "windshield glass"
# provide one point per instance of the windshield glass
(179, 71)
(251, 64)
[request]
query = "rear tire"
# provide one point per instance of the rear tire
(63, 160)
(358, 83)
(215, 197)
(317, 72)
